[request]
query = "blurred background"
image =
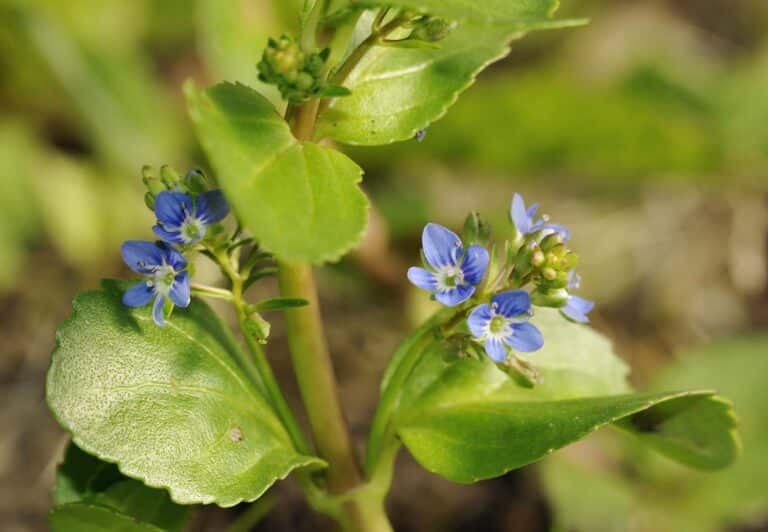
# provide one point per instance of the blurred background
(646, 132)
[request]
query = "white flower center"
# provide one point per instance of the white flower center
(163, 278)
(192, 229)
(449, 277)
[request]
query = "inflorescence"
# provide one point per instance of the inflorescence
(497, 291)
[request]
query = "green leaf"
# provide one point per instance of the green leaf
(399, 91)
(280, 303)
(86, 517)
(171, 406)
(466, 420)
(519, 13)
(86, 487)
(300, 200)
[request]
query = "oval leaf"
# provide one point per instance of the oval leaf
(170, 405)
(300, 200)
(466, 420)
(397, 92)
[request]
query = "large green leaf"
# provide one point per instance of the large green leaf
(299, 199)
(398, 91)
(91, 494)
(466, 420)
(171, 406)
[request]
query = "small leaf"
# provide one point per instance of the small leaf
(164, 403)
(333, 91)
(280, 303)
(300, 200)
(86, 488)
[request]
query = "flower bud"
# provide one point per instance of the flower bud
(431, 29)
(550, 241)
(556, 297)
(196, 182)
(475, 230)
(169, 176)
(550, 274)
(537, 258)
(297, 74)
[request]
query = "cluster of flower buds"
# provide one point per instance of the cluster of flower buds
(498, 291)
(296, 73)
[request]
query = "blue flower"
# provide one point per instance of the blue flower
(164, 269)
(504, 323)
(180, 220)
(453, 274)
(576, 308)
(524, 219)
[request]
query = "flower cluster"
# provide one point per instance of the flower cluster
(185, 211)
(537, 269)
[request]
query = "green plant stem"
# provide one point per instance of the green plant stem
(253, 514)
(314, 373)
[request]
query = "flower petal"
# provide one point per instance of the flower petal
(475, 264)
(455, 295)
(495, 349)
(157, 310)
(512, 303)
(180, 290)
(577, 308)
(553, 228)
(478, 320)
(422, 278)
(172, 237)
(519, 214)
(525, 337)
(173, 258)
(211, 207)
(441, 245)
(138, 295)
(171, 207)
(141, 256)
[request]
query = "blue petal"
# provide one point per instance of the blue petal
(475, 264)
(211, 207)
(180, 290)
(455, 295)
(557, 228)
(519, 215)
(157, 311)
(478, 320)
(171, 208)
(574, 280)
(441, 246)
(577, 308)
(172, 237)
(495, 349)
(531, 212)
(138, 295)
(525, 337)
(173, 258)
(422, 278)
(512, 303)
(141, 256)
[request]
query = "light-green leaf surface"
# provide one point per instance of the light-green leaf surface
(507, 12)
(94, 495)
(299, 199)
(467, 420)
(399, 91)
(171, 406)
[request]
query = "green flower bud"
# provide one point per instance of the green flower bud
(550, 241)
(196, 182)
(149, 200)
(169, 176)
(431, 29)
(550, 274)
(257, 327)
(475, 230)
(543, 297)
(297, 74)
(537, 258)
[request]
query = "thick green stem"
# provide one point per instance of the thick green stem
(314, 373)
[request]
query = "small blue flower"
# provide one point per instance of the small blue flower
(504, 323)
(524, 219)
(180, 220)
(576, 308)
(164, 269)
(453, 274)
